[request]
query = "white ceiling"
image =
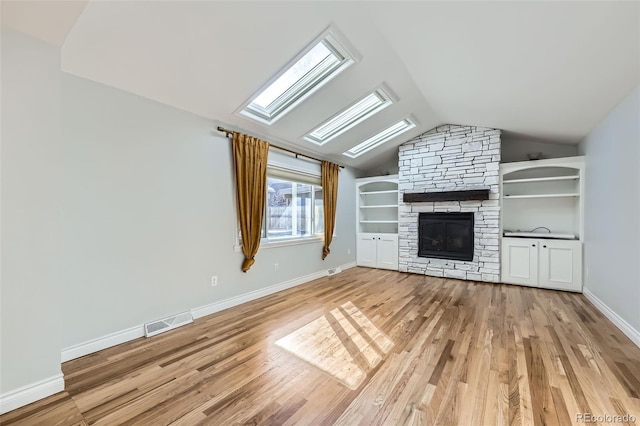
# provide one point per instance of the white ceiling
(46, 20)
(544, 70)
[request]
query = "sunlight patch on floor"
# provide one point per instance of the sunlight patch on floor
(343, 343)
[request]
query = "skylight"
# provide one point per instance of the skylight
(313, 68)
(350, 117)
(380, 138)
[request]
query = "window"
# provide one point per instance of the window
(350, 117)
(380, 138)
(314, 67)
(293, 210)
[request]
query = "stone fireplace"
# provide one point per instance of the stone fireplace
(436, 166)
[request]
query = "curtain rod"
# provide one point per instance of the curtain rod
(230, 132)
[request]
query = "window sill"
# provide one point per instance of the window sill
(264, 244)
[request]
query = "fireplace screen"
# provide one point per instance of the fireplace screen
(446, 235)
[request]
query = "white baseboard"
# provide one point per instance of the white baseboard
(113, 339)
(616, 319)
(100, 343)
(348, 265)
(31, 393)
(212, 308)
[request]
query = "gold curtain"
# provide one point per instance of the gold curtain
(330, 173)
(250, 164)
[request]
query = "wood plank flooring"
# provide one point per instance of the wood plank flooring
(366, 347)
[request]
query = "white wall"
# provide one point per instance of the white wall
(31, 212)
(612, 210)
(150, 215)
(517, 148)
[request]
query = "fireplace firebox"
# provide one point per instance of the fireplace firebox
(446, 235)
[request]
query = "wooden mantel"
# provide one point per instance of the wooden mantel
(425, 197)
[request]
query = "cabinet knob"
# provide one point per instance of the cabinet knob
(533, 245)
(544, 246)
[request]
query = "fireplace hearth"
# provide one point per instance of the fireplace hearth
(446, 235)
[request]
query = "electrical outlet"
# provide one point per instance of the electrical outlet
(276, 267)
(348, 251)
(214, 280)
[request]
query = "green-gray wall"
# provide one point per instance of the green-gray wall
(150, 215)
(116, 210)
(32, 210)
(612, 210)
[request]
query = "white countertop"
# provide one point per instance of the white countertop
(539, 235)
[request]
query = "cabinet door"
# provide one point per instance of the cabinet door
(561, 265)
(366, 250)
(520, 261)
(387, 251)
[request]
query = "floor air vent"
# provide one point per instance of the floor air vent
(334, 271)
(166, 324)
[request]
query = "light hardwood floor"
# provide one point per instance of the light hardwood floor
(363, 347)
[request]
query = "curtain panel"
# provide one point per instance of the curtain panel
(250, 166)
(330, 172)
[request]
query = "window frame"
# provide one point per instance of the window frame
(380, 138)
(313, 236)
(265, 243)
(385, 100)
(307, 85)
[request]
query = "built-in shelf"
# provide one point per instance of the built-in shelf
(377, 222)
(541, 220)
(377, 202)
(391, 191)
(541, 179)
(542, 195)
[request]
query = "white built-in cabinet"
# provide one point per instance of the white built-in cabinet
(542, 204)
(377, 222)
(546, 263)
(378, 251)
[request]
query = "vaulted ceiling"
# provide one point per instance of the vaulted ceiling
(544, 70)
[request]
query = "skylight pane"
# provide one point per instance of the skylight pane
(380, 138)
(308, 62)
(350, 117)
(347, 116)
(318, 64)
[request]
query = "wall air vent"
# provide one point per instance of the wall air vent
(166, 324)
(334, 271)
